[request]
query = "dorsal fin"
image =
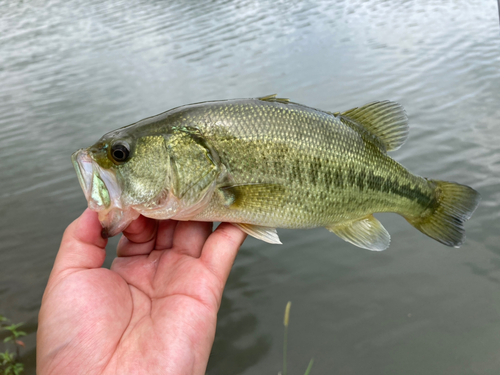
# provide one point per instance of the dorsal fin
(273, 98)
(386, 120)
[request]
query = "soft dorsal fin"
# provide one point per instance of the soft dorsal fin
(273, 98)
(386, 120)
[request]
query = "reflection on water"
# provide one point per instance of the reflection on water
(72, 70)
(238, 344)
(236, 347)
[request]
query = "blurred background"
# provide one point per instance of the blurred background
(73, 70)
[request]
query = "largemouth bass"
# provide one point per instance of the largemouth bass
(269, 163)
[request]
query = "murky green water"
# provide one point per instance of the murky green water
(73, 70)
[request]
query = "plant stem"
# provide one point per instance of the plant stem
(284, 351)
(309, 367)
(285, 340)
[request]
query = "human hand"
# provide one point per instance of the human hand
(153, 312)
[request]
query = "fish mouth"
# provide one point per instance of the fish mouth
(99, 185)
(103, 193)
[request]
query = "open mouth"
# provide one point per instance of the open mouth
(103, 193)
(99, 185)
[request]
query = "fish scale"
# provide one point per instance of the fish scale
(311, 152)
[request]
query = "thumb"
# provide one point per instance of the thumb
(82, 246)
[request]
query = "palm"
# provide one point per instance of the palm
(154, 311)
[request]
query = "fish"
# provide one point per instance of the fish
(266, 163)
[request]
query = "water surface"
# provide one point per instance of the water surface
(72, 70)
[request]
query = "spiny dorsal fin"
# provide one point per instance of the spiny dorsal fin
(273, 98)
(386, 120)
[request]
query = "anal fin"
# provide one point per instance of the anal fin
(367, 233)
(266, 234)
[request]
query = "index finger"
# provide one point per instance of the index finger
(141, 230)
(221, 248)
(138, 238)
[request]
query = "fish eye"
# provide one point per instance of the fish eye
(120, 152)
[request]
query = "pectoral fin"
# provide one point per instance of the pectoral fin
(255, 197)
(367, 233)
(265, 234)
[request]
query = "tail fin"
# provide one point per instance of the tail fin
(445, 224)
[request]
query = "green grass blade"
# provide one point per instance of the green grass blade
(309, 367)
(285, 339)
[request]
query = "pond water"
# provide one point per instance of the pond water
(73, 70)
